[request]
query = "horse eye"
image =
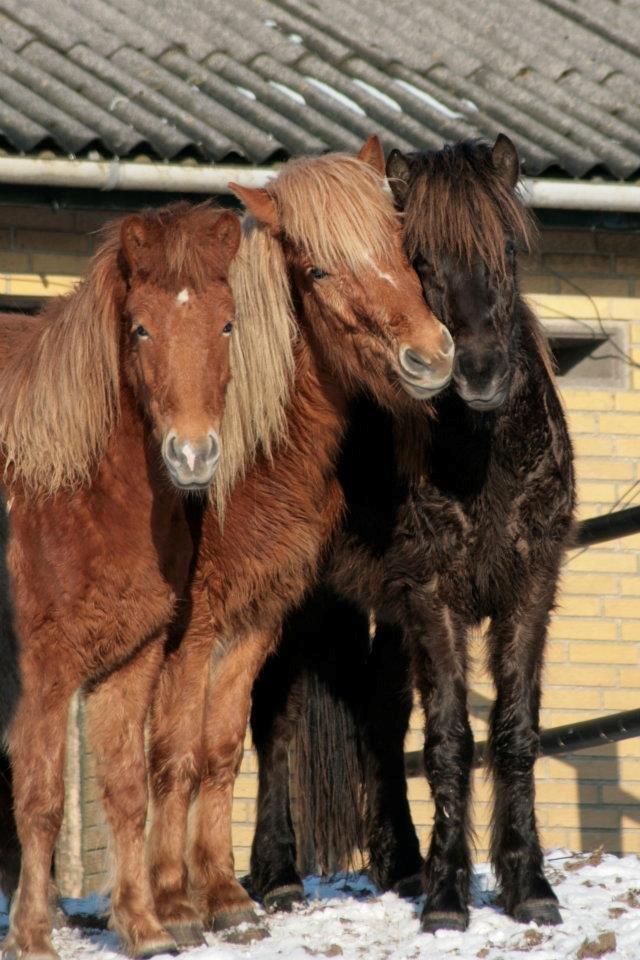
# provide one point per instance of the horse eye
(318, 273)
(228, 327)
(141, 332)
(510, 248)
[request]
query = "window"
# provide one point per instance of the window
(589, 354)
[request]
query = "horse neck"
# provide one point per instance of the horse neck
(317, 411)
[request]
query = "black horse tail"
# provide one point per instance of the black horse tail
(328, 779)
(9, 693)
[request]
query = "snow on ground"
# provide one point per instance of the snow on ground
(599, 899)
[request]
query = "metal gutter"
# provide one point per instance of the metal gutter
(214, 179)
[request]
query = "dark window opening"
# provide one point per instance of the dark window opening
(589, 357)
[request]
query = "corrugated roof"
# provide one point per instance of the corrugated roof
(258, 80)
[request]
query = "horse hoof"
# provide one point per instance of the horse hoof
(543, 912)
(187, 934)
(443, 920)
(153, 946)
(14, 952)
(409, 887)
(227, 919)
(283, 899)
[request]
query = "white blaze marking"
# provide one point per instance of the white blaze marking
(183, 296)
(381, 273)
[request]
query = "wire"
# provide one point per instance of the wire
(620, 353)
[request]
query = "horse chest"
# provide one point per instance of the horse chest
(95, 578)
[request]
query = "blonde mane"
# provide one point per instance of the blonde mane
(262, 357)
(334, 210)
(59, 384)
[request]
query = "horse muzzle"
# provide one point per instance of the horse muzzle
(422, 375)
(191, 463)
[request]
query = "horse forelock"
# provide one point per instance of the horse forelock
(335, 210)
(461, 207)
(180, 253)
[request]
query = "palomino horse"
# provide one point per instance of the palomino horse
(474, 527)
(110, 404)
(322, 268)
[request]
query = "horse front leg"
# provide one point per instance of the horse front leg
(439, 657)
(221, 900)
(517, 643)
(274, 875)
(116, 711)
(176, 759)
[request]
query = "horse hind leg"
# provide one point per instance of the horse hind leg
(116, 710)
(37, 742)
(274, 875)
(394, 852)
(9, 843)
(517, 646)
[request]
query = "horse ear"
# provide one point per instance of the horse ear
(225, 233)
(505, 159)
(373, 154)
(134, 239)
(259, 203)
(398, 170)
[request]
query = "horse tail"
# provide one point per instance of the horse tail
(327, 757)
(9, 693)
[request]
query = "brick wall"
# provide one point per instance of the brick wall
(591, 797)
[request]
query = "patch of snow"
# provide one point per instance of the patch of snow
(295, 38)
(470, 105)
(346, 917)
(340, 97)
(293, 94)
(389, 101)
(427, 98)
(249, 94)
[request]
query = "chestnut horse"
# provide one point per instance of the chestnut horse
(468, 521)
(110, 405)
(322, 269)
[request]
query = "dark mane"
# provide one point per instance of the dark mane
(462, 207)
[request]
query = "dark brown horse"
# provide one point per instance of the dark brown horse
(470, 521)
(322, 265)
(110, 405)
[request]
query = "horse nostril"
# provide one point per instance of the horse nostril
(172, 450)
(214, 448)
(448, 345)
(413, 363)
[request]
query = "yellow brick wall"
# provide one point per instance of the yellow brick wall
(590, 797)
